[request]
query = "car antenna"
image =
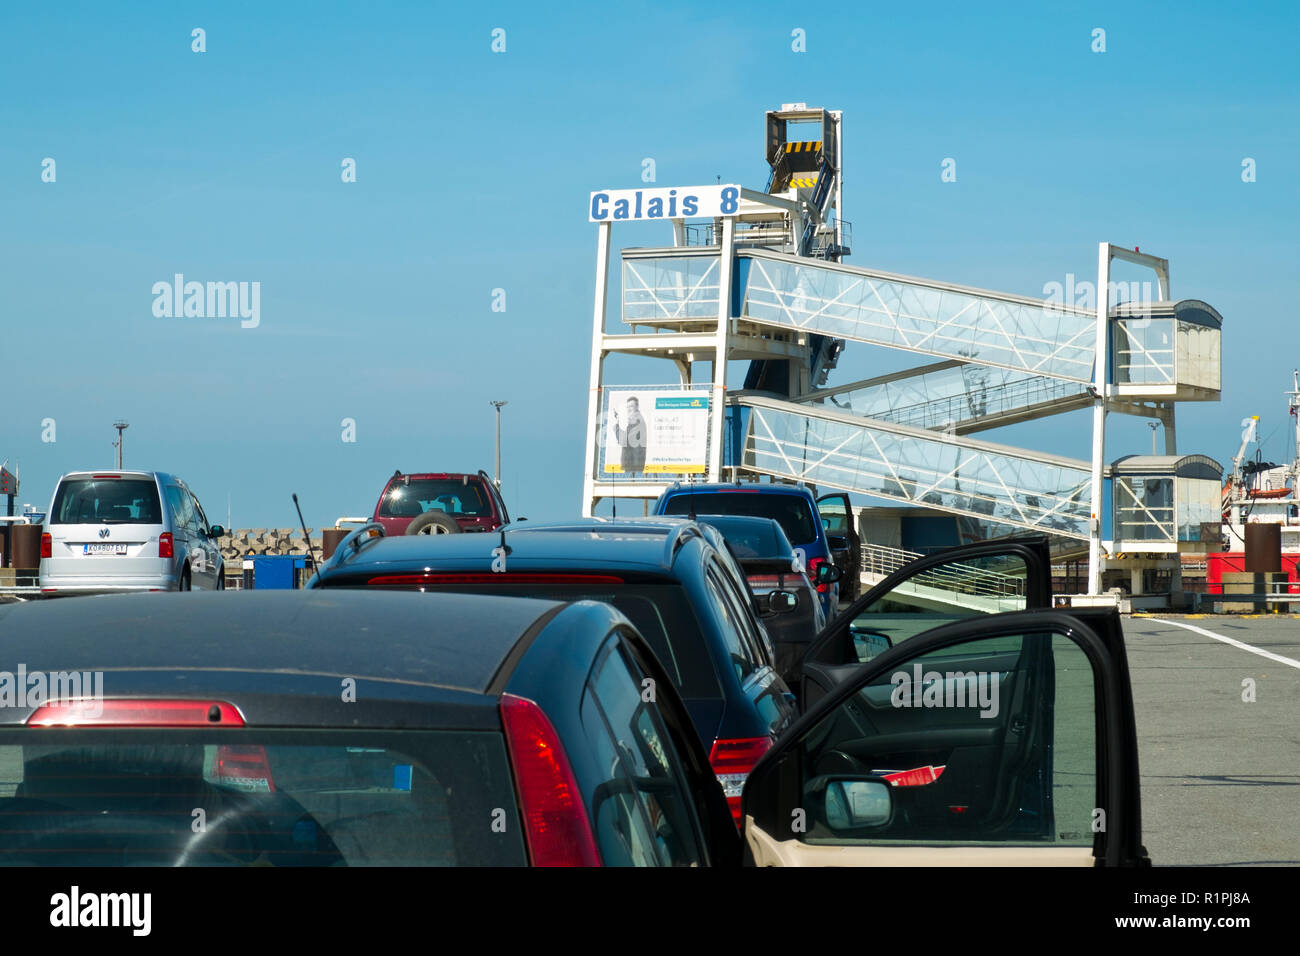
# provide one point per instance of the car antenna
(311, 551)
(691, 499)
(505, 548)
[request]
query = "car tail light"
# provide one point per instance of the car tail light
(244, 767)
(732, 760)
(764, 582)
(813, 565)
(165, 545)
(555, 818)
(47, 546)
(506, 578)
(90, 712)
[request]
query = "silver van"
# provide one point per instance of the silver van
(128, 531)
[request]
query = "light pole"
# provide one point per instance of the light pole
(498, 472)
(121, 426)
(1154, 426)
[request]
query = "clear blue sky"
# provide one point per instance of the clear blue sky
(473, 170)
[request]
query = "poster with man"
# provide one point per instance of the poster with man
(655, 432)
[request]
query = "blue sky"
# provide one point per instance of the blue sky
(473, 169)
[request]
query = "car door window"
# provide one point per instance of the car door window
(971, 587)
(987, 741)
(199, 518)
(182, 509)
(642, 813)
(744, 658)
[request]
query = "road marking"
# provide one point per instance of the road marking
(1228, 640)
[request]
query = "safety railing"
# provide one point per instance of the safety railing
(959, 577)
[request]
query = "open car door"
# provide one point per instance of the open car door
(974, 580)
(845, 545)
(1006, 740)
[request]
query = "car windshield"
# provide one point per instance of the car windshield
(255, 798)
(792, 512)
(107, 501)
(662, 613)
(411, 499)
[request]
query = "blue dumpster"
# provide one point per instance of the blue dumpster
(277, 571)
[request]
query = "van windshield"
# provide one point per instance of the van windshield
(107, 501)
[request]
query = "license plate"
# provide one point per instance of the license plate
(103, 549)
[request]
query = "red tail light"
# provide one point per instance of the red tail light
(165, 545)
(47, 546)
(555, 817)
(732, 760)
(813, 565)
(244, 767)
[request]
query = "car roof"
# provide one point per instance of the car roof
(762, 487)
(613, 548)
(648, 524)
(459, 641)
(90, 473)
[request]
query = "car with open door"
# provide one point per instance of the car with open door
(995, 740)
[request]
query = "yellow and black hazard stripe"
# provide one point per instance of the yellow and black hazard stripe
(804, 147)
(803, 182)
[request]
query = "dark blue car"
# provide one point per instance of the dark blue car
(793, 507)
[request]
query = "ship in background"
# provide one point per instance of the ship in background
(1260, 492)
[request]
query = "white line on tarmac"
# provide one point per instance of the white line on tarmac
(1227, 640)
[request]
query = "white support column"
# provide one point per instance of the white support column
(718, 398)
(597, 367)
(1099, 416)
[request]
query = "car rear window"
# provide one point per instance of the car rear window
(750, 539)
(257, 798)
(107, 500)
(792, 512)
(455, 497)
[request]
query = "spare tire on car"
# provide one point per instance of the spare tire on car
(434, 522)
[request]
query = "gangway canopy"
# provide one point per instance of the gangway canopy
(1166, 349)
(1160, 502)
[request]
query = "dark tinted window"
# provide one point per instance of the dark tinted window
(750, 538)
(792, 512)
(743, 657)
(112, 500)
(660, 612)
(641, 813)
(409, 500)
(268, 797)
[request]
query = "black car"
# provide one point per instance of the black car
(787, 599)
(337, 728)
(682, 593)
(347, 728)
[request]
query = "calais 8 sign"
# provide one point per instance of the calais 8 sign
(670, 202)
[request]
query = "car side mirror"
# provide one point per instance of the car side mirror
(781, 602)
(837, 542)
(828, 573)
(853, 803)
(216, 531)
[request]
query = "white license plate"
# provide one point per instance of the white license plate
(103, 549)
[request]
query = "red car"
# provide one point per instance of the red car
(440, 503)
